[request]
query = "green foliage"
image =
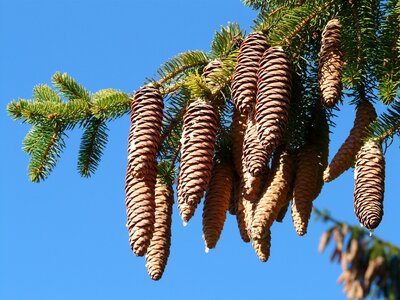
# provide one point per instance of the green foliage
(226, 41)
(69, 88)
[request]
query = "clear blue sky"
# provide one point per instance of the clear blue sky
(65, 238)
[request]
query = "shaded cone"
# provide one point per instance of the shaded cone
(158, 250)
(254, 155)
(197, 151)
(273, 97)
(369, 187)
(145, 131)
(140, 209)
(330, 64)
(216, 203)
(346, 155)
(235, 195)
(275, 194)
(244, 78)
(239, 123)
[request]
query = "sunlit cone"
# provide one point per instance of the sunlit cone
(239, 124)
(140, 209)
(254, 155)
(346, 155)
(210, 70)
(262, 246)
(216, 203)
(158, 250)
(244, 79)
(197, 151)
(145, 131)
(274, 195)
(274, 88)
(369, 177)
(330, 64)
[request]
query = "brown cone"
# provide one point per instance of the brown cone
(262, 246)
(216, 203)
(140, 208)
(244, 79)
(346, 155)
(208, 71)
(145, 131)
(273, 97)
(235, 195)
(197, 151)
(254, 155)
(158, 250)
(369, 176)
(239, 124)
(274, 195)
(330, 64)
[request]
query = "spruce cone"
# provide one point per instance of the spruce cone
(241, 220)
(273, 97)
(238, 125)
(369, 187)
(140, 208)
(216, 203)
(274, 195)
(158, 250)
(346, 155)
(197, 151)
(235, 195)
(145, 131)
(208, 71)
(262, 246)
(244, 79)
(330, 64)
(307, 186)
(254, 155)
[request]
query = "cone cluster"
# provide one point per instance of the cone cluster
(330, 64)
(346, 154)
(369, 177)
(244, 79)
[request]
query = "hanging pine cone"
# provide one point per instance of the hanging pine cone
(198, 142)
(274, 88)
(254, 155)
(244, 79)
(307, 186)
(274, 195)
(140, 208)
(330, 64)
(145, 131)
(216, 203)
(262, 246)
(238, 125)
(346, 155)
(210, 69)
(235, 195)
(158, 250)
(369, 187)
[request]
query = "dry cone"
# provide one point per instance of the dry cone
(369, 176)
(262, 246)
(239, 124)
(244, 79)
(330, 64)
(158, 250)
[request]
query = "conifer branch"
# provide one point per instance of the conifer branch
(69, 88)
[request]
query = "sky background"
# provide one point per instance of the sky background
(65, 238)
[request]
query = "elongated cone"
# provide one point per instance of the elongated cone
(239, 124)
(346, 155)
(254, 155)
(282, 213)
(197, 151)
(262, 246)
(140, 209)
(274, 88)
(158, 250)
(369, 176)
(216, 203)
(235, 195)
(244, 79)
(145, 131)
(274, 195)
(330, 64)
(311, 162)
